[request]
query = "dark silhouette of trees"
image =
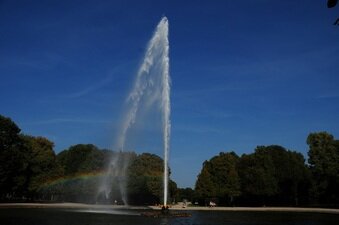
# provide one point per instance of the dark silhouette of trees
(81, 158)
(324, 164)
(12, 160)
(331, 3)
(271, 175)
(77, 162)
(185, 194)
(26, 162)
(41, 165)
(145, 179)
(274, 175)
(31, 171)
(219, 178)
(258, 182)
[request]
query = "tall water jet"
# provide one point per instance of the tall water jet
(151, 88)
(166, 108)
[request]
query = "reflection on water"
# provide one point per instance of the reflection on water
(107, 211)
(164, 221)
(132, 217)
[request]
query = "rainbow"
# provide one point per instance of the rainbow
(74, 178)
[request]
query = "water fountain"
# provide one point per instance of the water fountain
(151, 88)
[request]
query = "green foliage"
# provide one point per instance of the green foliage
(9, 134)
(145, 179)
(274, 174)
(12, 160)
(204, 187)
(257, 175)
(41, 160)
(81, 158)
(219, 178)
(323, 154)
(185, 194)
(80, 165)
(270, 175)
(148, 165)
(324, 164)
(173, 191)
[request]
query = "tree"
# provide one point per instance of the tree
(81, 158)
(290, 172)
(324, 163)
(186, 193)
(80, 161)
(204, 186)
(256, 172)
(331, 3)
(9, 134)
(173, 191)
(12, 160)
(41, 164)
(219, 178)
(145, 185)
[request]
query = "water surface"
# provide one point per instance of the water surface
(43, 216)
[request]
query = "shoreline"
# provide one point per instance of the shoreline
(262, 209)
(68, 205)
(174, 207)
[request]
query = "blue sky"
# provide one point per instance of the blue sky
(244, 73)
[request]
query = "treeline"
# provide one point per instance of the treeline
(271, 175)
(31, 171)
(274, 176)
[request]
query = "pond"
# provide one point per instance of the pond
(47, 216)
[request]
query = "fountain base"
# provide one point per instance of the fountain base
(159, 214)
(165, 213)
